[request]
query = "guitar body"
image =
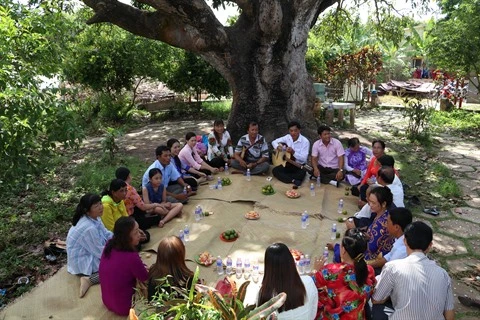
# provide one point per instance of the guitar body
(278, 157)
(282, 158)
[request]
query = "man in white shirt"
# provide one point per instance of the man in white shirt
(397, 221)
(386, 177)
(418, 287)
(297, 146)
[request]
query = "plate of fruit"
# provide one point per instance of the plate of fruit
(229, 235)
(204, 259)
(252, 215)
(268, 190)
(296, 254)
(292, 194)
(226, 181)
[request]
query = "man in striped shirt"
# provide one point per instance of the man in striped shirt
(251, 152)
(418, 287)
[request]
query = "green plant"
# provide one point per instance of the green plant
(204, 302)
(449, 188)
(418, 116)
(109, 145)
(33, 117)
(456, 121)
(441, 170)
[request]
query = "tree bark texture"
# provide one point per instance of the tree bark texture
(262, 56)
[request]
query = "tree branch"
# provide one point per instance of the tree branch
(324, 5)
(246, 6)
(190, 25)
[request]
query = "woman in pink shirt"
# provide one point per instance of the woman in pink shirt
(190, 158)
(121, 266)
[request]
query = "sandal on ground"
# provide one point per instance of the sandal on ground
(433, 211)
(56, 246)
(469, 302)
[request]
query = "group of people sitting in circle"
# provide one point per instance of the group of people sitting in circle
(381, 239)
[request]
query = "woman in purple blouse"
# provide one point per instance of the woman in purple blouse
(121, 266)
(356, 161)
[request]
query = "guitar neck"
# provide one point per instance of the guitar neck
(298, 165)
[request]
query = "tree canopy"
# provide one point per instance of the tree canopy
(455, 39)
(33, 119)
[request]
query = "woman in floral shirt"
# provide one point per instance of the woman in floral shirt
(379, 240)
(344, 288)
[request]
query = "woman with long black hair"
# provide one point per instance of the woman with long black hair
(345, 287)
(121, 266)
(281, 275)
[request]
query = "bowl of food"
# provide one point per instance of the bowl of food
(268, 190)
(229, 235)
(296, 254)
(226, 182)
(292, 194)
(252, 215)
(204, 259)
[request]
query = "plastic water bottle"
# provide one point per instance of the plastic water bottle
(312, 189)
(238, 270)
(186, 233)
(228, 270)
(334, 232)
(226, 169)
(219, 183)
(340, 206)
(181, 235)
(308, 217)
(249, 177)
(318, 181)
(198, 215)
(255, 271)
(325, 254)
(219, 265)
(185, 190)
(304, 220)
(246, 269)
(301, 264)
(202, 213)
(307, 266)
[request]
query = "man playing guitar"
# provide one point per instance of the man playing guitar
(297, 146)
(254, 150)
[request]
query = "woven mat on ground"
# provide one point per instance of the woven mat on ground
(57, 298)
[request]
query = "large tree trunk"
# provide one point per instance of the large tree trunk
(262, 56)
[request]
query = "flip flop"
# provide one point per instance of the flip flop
(433, 211)
(55, 247)
(469, 302)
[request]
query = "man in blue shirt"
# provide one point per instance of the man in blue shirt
(172, 179)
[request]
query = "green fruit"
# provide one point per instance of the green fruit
(344, 212)
(235, 235)
(347, 193)
(207, 213)
(227, 238)
(337, 235)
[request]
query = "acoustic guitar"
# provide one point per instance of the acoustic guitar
(283, 157)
